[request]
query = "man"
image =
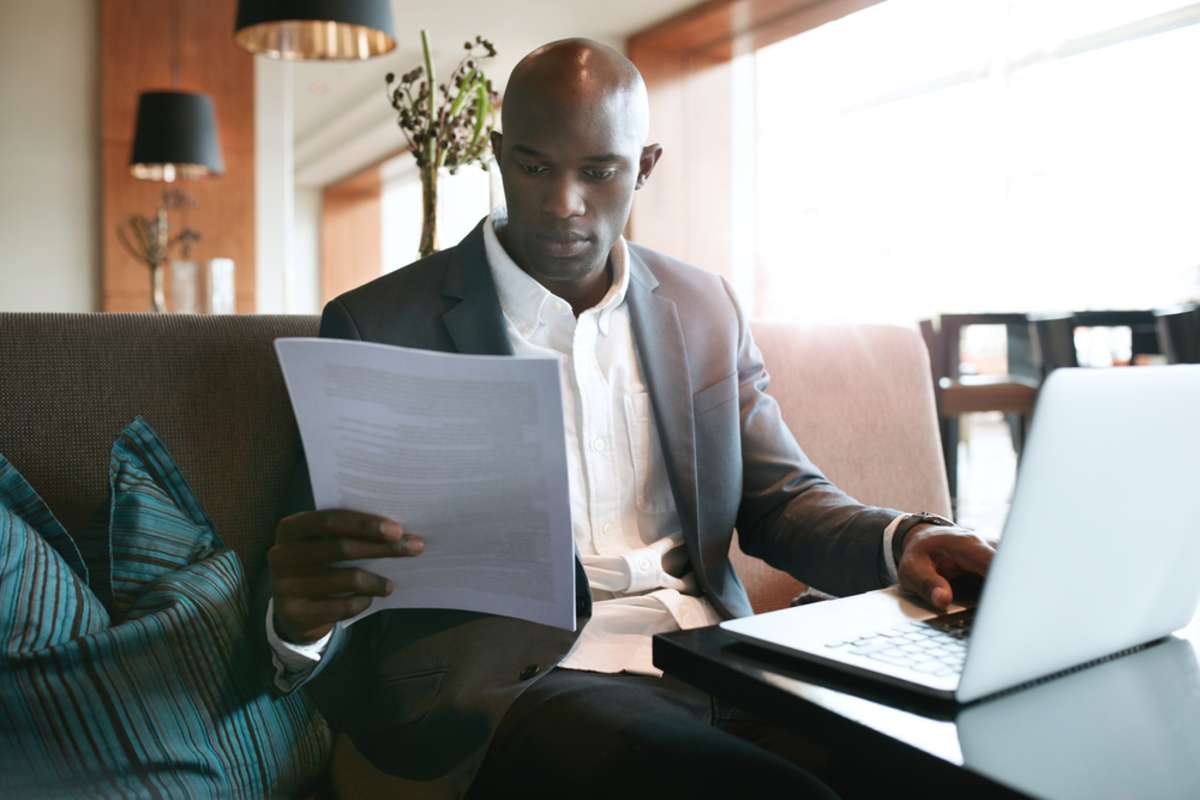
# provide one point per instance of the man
(671, 442)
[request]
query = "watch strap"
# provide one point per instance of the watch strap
(910, 521)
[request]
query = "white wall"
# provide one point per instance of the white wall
(304, 274)
(49, 156)
(274, 204)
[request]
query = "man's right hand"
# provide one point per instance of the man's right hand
(310, 593)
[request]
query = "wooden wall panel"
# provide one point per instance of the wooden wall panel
(135, 55)
(351, 232)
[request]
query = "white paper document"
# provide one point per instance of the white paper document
(466, 451)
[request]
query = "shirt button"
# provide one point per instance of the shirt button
(599, 444)
(645, 564)
(529, 672)
(607, 528)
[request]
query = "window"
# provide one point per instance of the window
(923, 156)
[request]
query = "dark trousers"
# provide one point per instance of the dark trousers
(580, 734)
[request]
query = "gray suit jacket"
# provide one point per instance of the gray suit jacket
(420, 692)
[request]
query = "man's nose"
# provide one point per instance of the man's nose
(564, 199)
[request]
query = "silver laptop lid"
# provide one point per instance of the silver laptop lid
(1101, 551)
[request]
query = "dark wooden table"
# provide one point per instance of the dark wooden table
(1127, 728)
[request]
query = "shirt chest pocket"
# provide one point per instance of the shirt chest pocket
(652, 489)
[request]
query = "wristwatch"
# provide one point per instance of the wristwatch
(910, 521)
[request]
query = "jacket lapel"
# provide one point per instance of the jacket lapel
(475, 323)
(659, 338)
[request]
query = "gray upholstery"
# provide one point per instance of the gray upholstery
(209, 385)
(857, 397)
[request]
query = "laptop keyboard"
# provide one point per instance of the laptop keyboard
(936, 646)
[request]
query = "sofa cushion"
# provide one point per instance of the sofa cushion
(155, 525)
(44, 597)
(164, 698)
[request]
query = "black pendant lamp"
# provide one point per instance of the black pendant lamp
(176, 137)
(316, 29)
(176, 132)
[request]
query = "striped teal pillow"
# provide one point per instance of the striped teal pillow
(155, 524)
(160, 695)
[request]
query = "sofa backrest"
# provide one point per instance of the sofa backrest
(858, 399)
(209, 385)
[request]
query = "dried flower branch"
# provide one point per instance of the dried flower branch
(449, 124)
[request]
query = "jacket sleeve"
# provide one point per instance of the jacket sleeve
(791, 515)
(336, 323)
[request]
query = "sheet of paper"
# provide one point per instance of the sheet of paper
(467, 451)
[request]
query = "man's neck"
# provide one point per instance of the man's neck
(582, 295)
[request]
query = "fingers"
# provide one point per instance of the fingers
(314, 552)
(307, 604)
(926, 570)
(337, 522)
(922, 578)
(335, 582)
(310, 593)
(304, 620)
(970, 553)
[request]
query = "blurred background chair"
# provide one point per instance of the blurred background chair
(1014, 392)
(1179, 333)
(1053, 338)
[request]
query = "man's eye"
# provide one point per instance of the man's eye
(534, 169)
(600, 174)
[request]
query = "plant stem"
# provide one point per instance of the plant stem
(468, 88)
(429, 178)
(431, 139)
(481, 109)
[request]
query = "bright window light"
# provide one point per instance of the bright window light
(463, 200)
(927, 156)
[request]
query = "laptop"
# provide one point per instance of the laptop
(1100, 553)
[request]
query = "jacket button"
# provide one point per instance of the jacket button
(529, 672)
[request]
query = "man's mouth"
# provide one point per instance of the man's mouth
(562, 245)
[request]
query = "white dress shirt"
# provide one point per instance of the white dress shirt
(623, 513)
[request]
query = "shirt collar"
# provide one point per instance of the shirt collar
(524, 301)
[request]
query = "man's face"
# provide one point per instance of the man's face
(569, 170)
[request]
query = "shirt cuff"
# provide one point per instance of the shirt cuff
(889, 560)
(292, 661)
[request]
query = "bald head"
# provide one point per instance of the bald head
(573, 75)
(572, 151)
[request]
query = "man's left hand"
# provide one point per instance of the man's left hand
(935, 554)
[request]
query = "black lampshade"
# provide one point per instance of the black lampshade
(317, 29)
(176, 137)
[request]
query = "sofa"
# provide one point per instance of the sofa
(858, 399)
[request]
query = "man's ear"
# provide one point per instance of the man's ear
(497, 143)
(651, 153)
